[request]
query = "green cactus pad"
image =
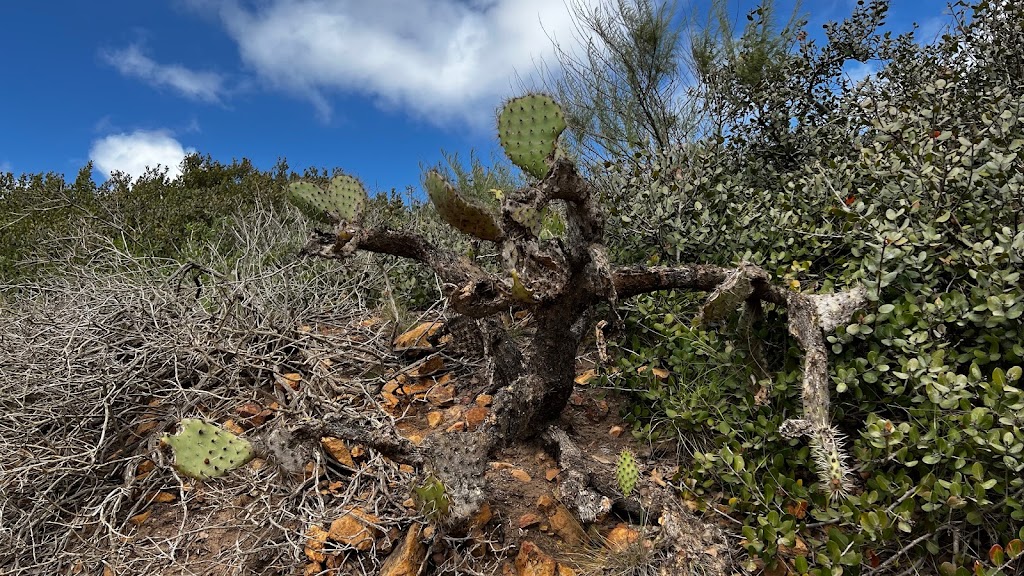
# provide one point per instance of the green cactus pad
(203, 450)
(343, 201)
(462, 214)
(432, 499)
(529, 217)
(528, 128)
(626, 472)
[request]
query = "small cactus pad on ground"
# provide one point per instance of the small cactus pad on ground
(432, 498)
(203, 450)
(462, 214)
(343, 200)
(626, 472)
(528, 128)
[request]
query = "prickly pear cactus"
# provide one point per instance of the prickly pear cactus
(342, 201)
(432, 498)
(528, 128)
(529, 217)
(203, 450)
(462, 214)
(626, 472)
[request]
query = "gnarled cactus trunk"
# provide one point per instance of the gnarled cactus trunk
(559, 281)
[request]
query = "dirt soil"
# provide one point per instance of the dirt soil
(273, 517)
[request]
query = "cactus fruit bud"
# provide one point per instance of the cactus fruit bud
(343, 201)
(626, 472)
(528, 128)
(462, 214)
(203, 450)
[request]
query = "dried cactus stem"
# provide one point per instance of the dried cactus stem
(810, 316)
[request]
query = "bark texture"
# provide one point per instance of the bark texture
(560, 281)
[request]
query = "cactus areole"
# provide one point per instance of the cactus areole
(559, 280)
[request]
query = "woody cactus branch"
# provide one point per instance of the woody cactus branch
(559, 280)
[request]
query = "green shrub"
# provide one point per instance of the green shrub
(912, 188)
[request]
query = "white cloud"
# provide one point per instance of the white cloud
(133, 153)
(131, 62)
(6, 167)
(442, 60)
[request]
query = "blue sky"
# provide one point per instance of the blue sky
(375, 86)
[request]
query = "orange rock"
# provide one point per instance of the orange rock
(616, 431)
(475, 416)
(163, 498)
(546, 504)
(520, 474)
(408, 557)
(248, 410)
(338, 450)
(290, 381)
(233, 427)
(484, 400)
(312, 569)
(418, 338)
(550, 474)
(529, 519)
(459, 426)
(146, 427)
(564, 570)
(316, 537)
(482, 517)
(388, 399)
(144, 468)
(417, 388)
(356, 529)
(441, 394)
(586, 376)
(431, 366)
(138, 519)
(566, 526)
(434, 418)
(621, 537)
(532, 561)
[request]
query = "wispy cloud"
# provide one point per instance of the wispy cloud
(442, 60)
(5, 167)
(135, 152)
(196, 85)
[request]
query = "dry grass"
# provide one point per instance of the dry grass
(98, 363)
